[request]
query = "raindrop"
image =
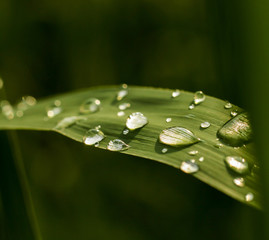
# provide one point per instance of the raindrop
(164, 150)
(168, 120)
(69, 121)
(198, 97)
(249, 197)
(234, 113)
(93, 136)
(124, 106)
(120, 114)
(193, 152)
(236, 131)
(239, 182)
(117, 145)
(205, 125)
(123, 92)
(237, 164)
(136, 120)
(201, 159)
(54, 109)
(7, 109)
(176, 93)
(177, 136)
(125, 131)
(189, 167)
(91, 105)
(228, 105)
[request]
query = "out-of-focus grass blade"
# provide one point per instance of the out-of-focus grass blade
(157, 105)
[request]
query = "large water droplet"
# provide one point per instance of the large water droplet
(136, 120)
(7, 109)
(205, 125)
(239, 182)
(124, 106)
(93, 136)
(54, 109)
(177, 136)
(189, 167)
(237, 164)
(176, 93)
(69, 121)
(91, 105)
(249, 197)
(198, 97)
(117, 145)
(236, 131)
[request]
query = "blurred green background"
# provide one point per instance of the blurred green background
(52, 46)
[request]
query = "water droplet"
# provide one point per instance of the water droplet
(98, 127)
(164, 150)
(201, 159)
(7, 109)
(249, 197)
(1, 83)
(54, 109)
(192, 106)
(205, 125)
(198, 97)
(193, 152)
(19, 113)
(236, 131)
(123, 92)
(30, 100)
(218, 145)
(168, 120)
(237, 164)
(176, 93)
(69, 121)
(91, 105)
(136, 120)
(234, 113)
(124, 106)
(117, 145)
(189, 167)
(228, 105)
(124, 86)
(93, 136)
(120, 114)
(240, 182)
(125, 131)
(177, 136)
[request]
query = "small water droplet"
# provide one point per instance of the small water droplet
(228, 105)
(97, 144)
(91, 105)
(124, 86)
(120, 114)
(192, 160)
(236, 131)
(54, 109)
(249, 197)
(175, 93)
(98, 127)
(234, 113)
(19, 113)
(7, 109)
(124, 106)
(198, 97)
(168, 120)
(164, 150)
(123, 92)
(193, 152)
(205, 125)
(125, 131)
(240, 182)
(189, 167)
(237, 164)
(201, 159)
(117, 145)
(57, 103)
(218, 145)
(69, 121)
(93, 136)
(177, 136)
(30, 100)
(192, 106)
(136, 120)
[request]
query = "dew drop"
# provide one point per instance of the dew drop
(177, 136)
(249, 197)
(54, 109)
(237, 164)
(91, 105)
(123, 92)
(228, 105)
(117, 145)
(93, 136)
(164, 150)
(69, 121)
(236, 131)
(7, 109)
(168, 120)
(124, 106)
(193, 152)
(201, 159)
(175, 93)
(125, 131)
(198, 97)
(120, 114)
(239, 182)
(234, 113)
(189, 167)
(136, 120)
(205, 125)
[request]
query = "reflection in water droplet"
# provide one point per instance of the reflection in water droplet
(193, 152)
(192, 106)
(69, 121)
(120, 114)
(201, 159)
(236, 131)
(54, 109)
(136, 120)
(117, 145)
(91, 105)
(7, 109)
(239, 182)
(176, 93)
(168, 120)
(198, 97)
(124, 106)
(125, 131)
(205, 125)
(234, 113)
(93, 136)
(164, 150)
(249, 197)
(237, 164)
(177, 136)
(189, 167)
(228, 105)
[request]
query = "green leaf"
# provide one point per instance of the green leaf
(156, 105)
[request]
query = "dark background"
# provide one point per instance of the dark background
(53, 46)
